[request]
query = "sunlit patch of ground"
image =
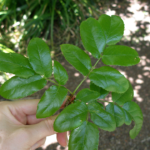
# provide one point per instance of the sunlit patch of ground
(137, 14)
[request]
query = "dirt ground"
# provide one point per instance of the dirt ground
(136, 15)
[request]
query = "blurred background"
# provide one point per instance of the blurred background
(57, 22)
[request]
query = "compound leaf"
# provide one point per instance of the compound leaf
(134, 110)
(92, 36)
(77, 58)
(16, 64)
(101, 118)
(103, 93)
(85, 137)
(120, 55)
(60, 74)
(51, 101)
(71, 117)
(113, 28)
(121, 98)
(39, 57)
(17, 87)
(86, 95)
(109, 79)
(117, 112)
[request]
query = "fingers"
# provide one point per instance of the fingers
(62, 138)
(40, 130)
(38, 144)
(28, 107)
(31, 119)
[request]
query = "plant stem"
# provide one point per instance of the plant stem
(52, 81)
(79, 84)
(87, 117)
(69, 91)
(103, 101)
(86, 76)
(95, 64)
(57, 84)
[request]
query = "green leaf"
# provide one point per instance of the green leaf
(92, 36)
(101, 118)
(71, 117)
(121, 98)
(16, 64)
(120, 55)
(60, 74)
(85, 137)
(117, 112)
(39, 57)
(5, 49)
(86, 95)
(128, 117)
(95, 105)
(51, 101)
(103, 93)
(113, 28)
(17, 87)
(77, 58)
(134, 110)
(109, 79)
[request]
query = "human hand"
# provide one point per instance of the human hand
(21, 130)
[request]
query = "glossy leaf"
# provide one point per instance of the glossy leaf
(128, 117)
(86, 95)
(95, 105)
(121, 98)
(103, 93)
(85, 137)
(109, 79)
(117, 112)
(17, 87)
(16, 64)
(77, 58)
(120, 55)
(71, 117)
(92, 37)
(134, 110)
(101, 118)
(113, 28)
(39, 57)
(60, 74)
(51, 101)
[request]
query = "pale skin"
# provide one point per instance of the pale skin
(21, 130)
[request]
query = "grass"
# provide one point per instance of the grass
(26, 19)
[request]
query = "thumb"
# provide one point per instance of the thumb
(40, 130)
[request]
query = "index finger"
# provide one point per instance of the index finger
(28, 106)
